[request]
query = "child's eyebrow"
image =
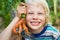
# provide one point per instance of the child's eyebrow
(30, 11)
(40, 12)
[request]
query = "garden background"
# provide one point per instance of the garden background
(8, 7)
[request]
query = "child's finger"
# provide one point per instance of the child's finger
(21, 9)
(22, 4)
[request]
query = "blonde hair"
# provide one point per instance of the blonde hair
(44, 4)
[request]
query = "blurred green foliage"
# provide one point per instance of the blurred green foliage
(52, 13)
(5, 8)
(7, 5)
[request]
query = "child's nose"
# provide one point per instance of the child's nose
(35, 17)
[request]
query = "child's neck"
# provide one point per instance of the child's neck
(37, 30)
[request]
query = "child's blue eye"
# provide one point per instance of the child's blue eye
(30, 13)
(40, 13)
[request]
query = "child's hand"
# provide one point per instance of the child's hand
(21, 9)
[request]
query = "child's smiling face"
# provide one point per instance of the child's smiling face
(36, 16)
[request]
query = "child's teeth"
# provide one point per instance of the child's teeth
(35, 23)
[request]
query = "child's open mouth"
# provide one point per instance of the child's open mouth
(35, 23)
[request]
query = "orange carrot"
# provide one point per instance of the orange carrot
(21, 25)
(20, 28)
(26, 29)
(17, 26)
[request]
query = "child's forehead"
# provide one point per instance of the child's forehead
(36, 6)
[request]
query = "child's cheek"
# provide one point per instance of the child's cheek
(29, 17)
(43, 16)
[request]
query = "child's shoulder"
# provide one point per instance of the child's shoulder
(51, 30)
